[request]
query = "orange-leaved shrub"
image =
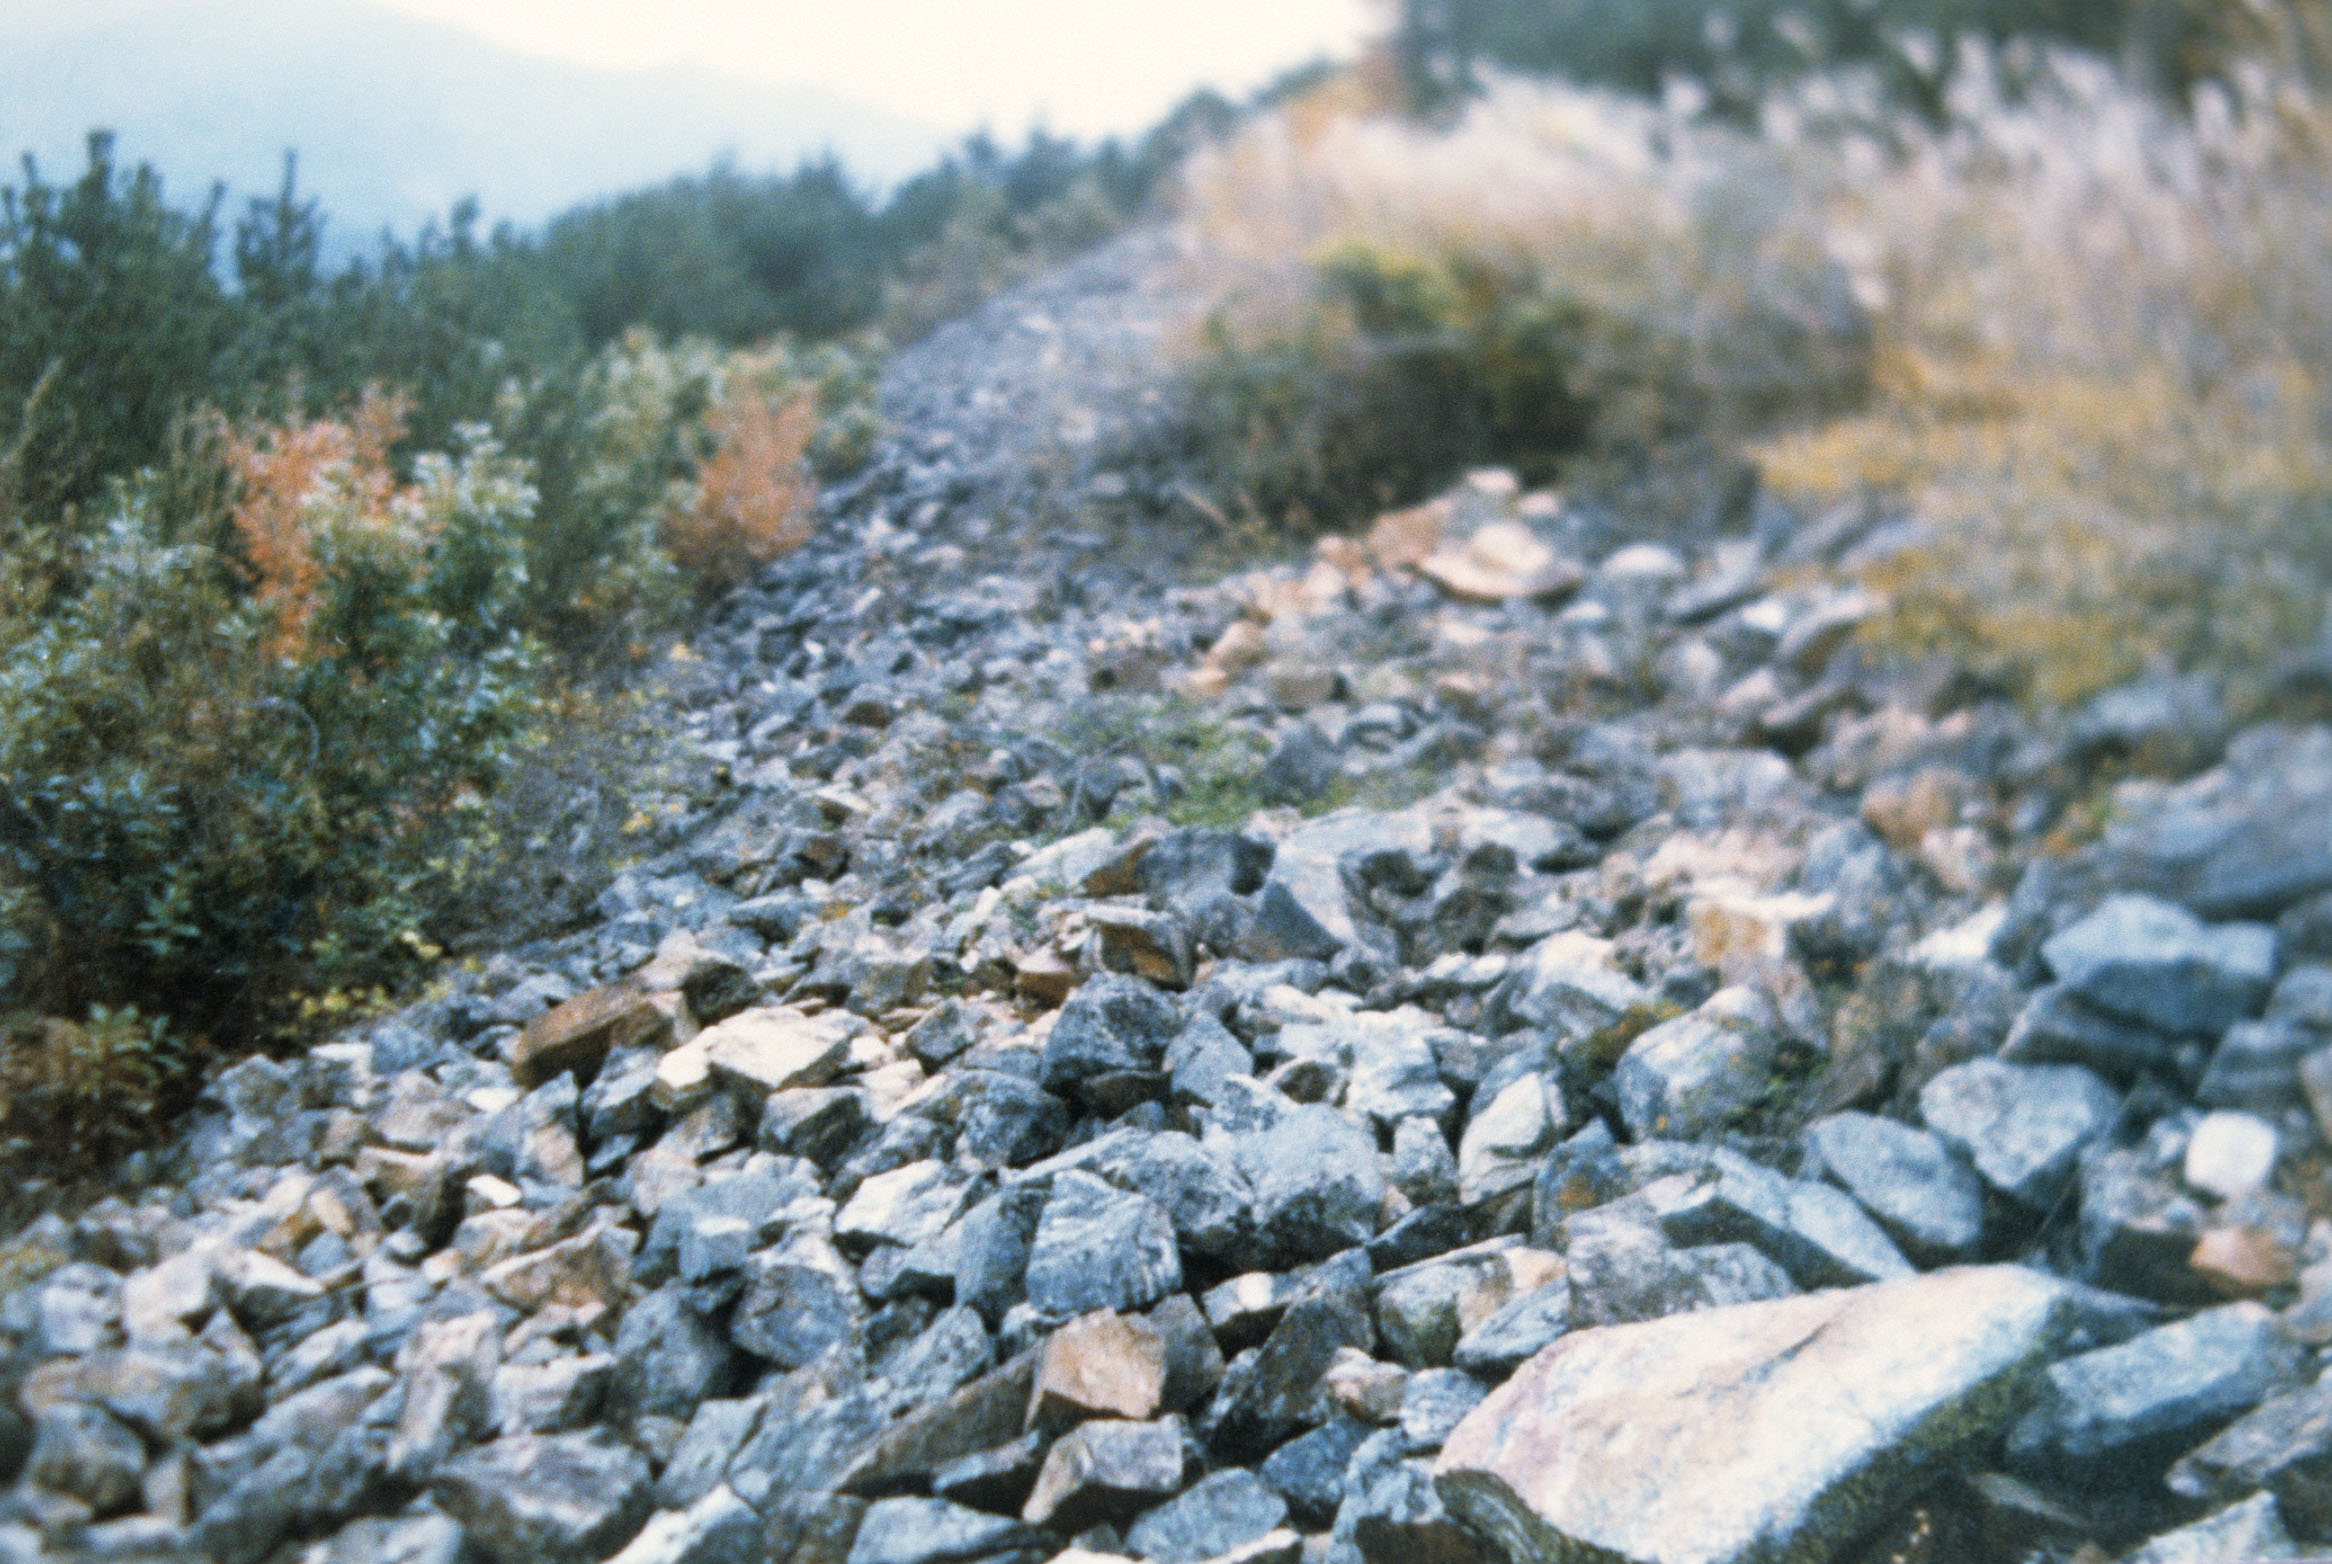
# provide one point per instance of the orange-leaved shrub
(232, 754)
(752, 498)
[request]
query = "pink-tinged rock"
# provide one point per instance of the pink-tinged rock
(1766, 1433)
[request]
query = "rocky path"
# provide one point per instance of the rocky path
(1510, 1035)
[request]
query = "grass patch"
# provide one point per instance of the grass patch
(2077, 337)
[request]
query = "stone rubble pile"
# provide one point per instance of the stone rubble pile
(1639, 1078)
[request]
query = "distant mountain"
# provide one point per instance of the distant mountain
(394, 120)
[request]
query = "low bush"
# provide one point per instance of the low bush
(222, 766)
(1561, 272)
(2073, 336)
(1744, 50)
(257, 703)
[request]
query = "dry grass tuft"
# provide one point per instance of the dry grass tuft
(2080, 339)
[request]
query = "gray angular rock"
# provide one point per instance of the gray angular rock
(991, 1251)
(2244, 841)
(1511, 1130)
(719, 1528)
(2022, 1127)
(1203, 1055)
(1517, 1332)
(2251, 1531)
(990, 1411)
(1000, 1119)
(932, 1531)
(1388, 1058)
(168, 1390)
(904, 1206)
(790, 1314)
(242, 1524)
(2149, 961)
(1926, 1198)
(1269, 1392)
(1284, 929)
(1622, 1270)
(1106, 1470)
(1815, 1233)
(1804, 1421)
(1112, 1026)
(812, 1528)
(407, 1539)
(1099, 1247)
(1433, 1403)
(547, 1498)
(1187, 870)
(2283, 1447)
(2137, 1229)
(1570, 985)
(1300, 766)
(817, 1425)
(699, 1461)
(2058, 1026)
(2141, 1401)
(997, 1480)
(2256, 1067)
(1210, 1518)
(1305, 889)
(77, 1308)
(552, 1397)
(1393, 1514)
(952, 1349)
(668, 1357)
(821, 1123)
(1318, 1188)
(1699, 1072)
(1201, 1192)
(1308, 1471)
(86, 1452)
(1423, 1309)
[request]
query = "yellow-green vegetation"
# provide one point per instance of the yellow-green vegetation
(1562, 271)
(2102, 333)
(2076, 333)
(268, 668)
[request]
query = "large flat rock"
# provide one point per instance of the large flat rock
(1766, 1433)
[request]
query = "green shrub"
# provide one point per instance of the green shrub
(1744, 49)
(221, 777)
(1561, 274)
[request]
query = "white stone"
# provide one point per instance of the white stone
(2230, 1154)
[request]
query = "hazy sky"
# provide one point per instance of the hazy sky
(1081, 67)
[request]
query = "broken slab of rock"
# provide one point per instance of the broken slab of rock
(1100, 1247)
(2283, 1446)
(1101, 1364)
(775, 1049)
(1700, 1072)
(1105, 1471)
(1804, 1421)
(547, 1499)
(2148, 961)
(2139, 1402)
(2022, 1126)
(576, 1037)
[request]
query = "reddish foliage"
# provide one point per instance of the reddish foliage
(752, 500)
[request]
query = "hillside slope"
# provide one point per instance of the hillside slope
(1386, 1055)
